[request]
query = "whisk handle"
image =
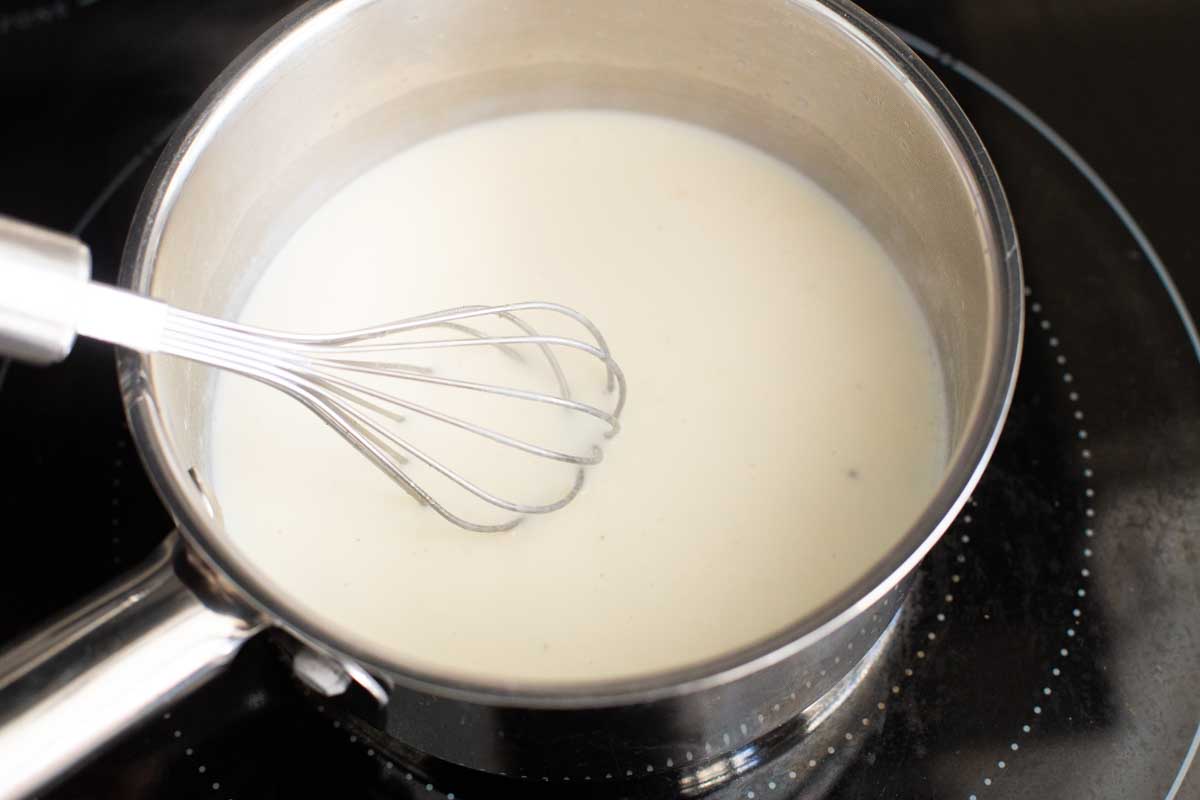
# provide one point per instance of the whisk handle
(46, 299)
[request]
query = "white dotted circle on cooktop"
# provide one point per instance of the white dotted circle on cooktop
(1089, 493)
(191, 756)
(1135, 231)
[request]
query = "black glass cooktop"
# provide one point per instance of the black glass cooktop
(1053, 646)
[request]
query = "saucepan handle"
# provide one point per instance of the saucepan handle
(71, 687)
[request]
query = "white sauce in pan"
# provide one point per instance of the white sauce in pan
(785, 423)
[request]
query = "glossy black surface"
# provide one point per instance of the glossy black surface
(89, 89)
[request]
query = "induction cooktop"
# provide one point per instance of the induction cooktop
(1052, 647)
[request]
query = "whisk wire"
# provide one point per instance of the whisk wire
(312, 368)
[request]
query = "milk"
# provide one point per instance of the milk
(786, 420)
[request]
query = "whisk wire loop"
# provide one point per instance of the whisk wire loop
(314, 369)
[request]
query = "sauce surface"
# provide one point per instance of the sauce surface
(786, 420)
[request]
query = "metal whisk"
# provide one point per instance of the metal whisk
(314, 369)
(46, 299)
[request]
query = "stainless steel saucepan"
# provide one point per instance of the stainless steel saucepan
(343, 84)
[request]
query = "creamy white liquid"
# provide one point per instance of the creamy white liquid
(785, 423)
